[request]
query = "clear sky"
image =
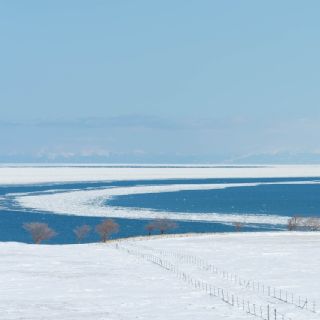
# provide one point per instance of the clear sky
(159, 81)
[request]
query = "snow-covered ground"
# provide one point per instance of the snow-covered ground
(151, 278)
(41, 174)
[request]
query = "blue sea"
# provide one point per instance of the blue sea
(285, 199)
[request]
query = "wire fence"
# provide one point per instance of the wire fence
(256, 286)
(265, 312)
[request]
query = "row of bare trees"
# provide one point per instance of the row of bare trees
(162, 225)
(41, 231)
(293, 224)
(303, 223)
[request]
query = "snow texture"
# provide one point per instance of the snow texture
(118, 280)
(41, 174)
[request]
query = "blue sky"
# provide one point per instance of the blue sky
(159, 81)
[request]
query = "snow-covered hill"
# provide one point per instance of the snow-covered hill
(214, 276)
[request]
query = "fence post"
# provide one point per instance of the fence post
(268, 312)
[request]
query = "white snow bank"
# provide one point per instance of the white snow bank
(99, 282)
(23, 175)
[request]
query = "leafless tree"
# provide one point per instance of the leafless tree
(81, 232)
(150, 227)
(39, 231)
(164, 225)
(237, 225)
(313, 224)
(294, 223)
(106, 228)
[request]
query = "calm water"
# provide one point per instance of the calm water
(284, 199)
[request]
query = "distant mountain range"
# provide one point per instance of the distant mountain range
(258, 158)
(278, 158)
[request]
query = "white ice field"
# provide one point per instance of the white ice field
(217, 276)
(13, 174)
(226, 276)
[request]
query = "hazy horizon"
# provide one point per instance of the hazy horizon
(168, 82)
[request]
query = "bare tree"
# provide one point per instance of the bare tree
(39, 231)
(294, 223)
(164, 225)
(150, 227)
(237, 225)
(106, 228)
(313, 224)
(81, 232)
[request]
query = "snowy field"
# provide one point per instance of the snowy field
(164, 278)
(42, 174)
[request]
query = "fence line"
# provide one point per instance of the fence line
(264, 312)
(279, 294)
